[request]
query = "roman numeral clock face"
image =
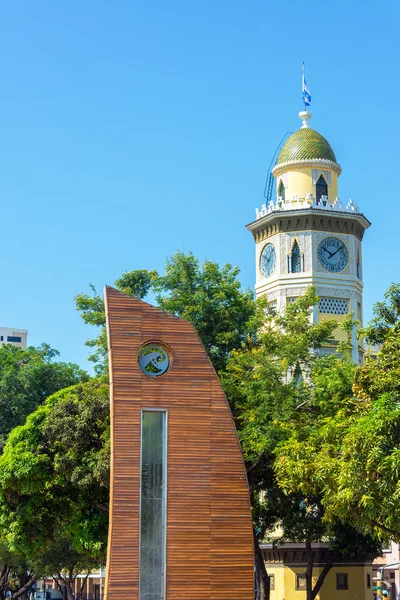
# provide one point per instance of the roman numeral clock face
(267, 260)
(332, 254)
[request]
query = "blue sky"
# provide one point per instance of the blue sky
(129, 130)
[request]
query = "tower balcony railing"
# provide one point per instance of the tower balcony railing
(296, 203)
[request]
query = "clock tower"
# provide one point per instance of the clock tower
(307, 236)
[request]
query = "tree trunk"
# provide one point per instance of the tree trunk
(23, 589)
(4, 577)
(323, 574)
(23, 578)
(262, 588)
(311, 592)
(70, 593)
(83, 584)
(66, 587)
(309, 570)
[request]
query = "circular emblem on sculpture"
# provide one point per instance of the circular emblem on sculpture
(153, 359)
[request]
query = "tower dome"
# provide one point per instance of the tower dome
(306, 144)
(306, 147)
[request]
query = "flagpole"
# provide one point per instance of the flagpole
(305, 115)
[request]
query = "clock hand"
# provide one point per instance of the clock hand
(330, 253)
(335, 252)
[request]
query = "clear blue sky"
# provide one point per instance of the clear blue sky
(131, 129)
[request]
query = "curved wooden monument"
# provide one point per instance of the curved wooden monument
(180, 522)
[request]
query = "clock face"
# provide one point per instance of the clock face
(332, 254)
(267, 260)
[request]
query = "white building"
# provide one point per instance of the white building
(15, 337)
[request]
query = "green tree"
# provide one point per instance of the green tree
(15, 575)
(91, 308)
(386, 316)
(210, 297)
(27, 378)
(54, 475)
(62, 562)
(354, 456)
(207, 295)
(284, 390)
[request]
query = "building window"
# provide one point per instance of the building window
(391, 575)
(271, 308)
(291, 299)
(359, 313)
(281, 191)
(368, 581)
(153, 472)
(333, 306)
(2, 338)
(358, 267)
(297, 375)
(321, 189)
(342, 581)
(301, 581)
(13, 338)
(272, 582)
(295, 261)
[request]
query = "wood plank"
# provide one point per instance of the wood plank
(209, 530)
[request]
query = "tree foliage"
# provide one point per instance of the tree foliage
(210, 297)
(27, 378)
(354, 457)
(54, 474)
(319, 435)
(386, 316)
(207, 295)
(260, 380)
(284, 390)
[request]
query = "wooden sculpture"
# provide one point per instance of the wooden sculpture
(180, 522)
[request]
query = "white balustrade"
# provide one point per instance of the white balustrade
(296, 203)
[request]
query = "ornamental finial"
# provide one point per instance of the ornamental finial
(305, 115)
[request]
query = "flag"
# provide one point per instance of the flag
(304, 89)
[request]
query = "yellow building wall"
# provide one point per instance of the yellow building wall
(299, 183)
(338, 335)
(279, 574)
(285, 583)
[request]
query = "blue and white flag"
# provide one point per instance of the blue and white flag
(304, 89)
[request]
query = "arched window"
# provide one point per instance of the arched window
(321, 189)
(297, 375)
(296, 259)
(358, 267)
(281, 190)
